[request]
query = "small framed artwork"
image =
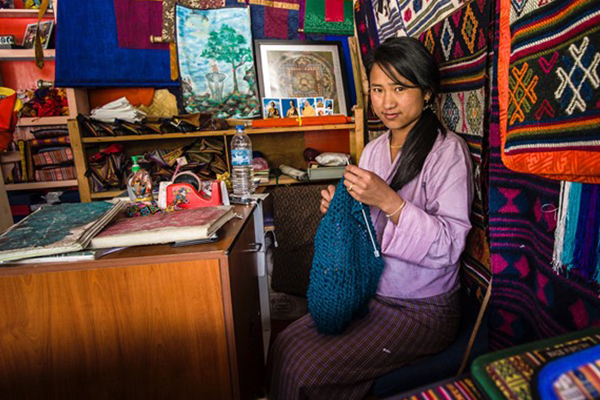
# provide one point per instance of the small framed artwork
(289, 108)
(45, 33)
(302, 69)
(271, 108)
(307, 107)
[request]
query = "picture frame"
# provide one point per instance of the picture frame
(302, 69)
(45, 34)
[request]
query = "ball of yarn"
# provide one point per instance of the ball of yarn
(310, 154)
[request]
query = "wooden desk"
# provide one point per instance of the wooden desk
(150, 322)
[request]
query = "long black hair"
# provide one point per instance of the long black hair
(408, 57)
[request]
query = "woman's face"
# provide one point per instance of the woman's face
(397, 104)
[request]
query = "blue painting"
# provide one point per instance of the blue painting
(216, 64)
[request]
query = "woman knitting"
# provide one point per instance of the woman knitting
(417, 180)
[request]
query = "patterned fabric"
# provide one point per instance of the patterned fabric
(577, 236)
(49, 133)
(510, 374)
(346, 266)
(314, 19)
(573, 377)
(52, 157)
(168, 14)
(529, 301)
(306, 364)
(388, 19)
(460, 45)
(366, 28)
(551, 89)
(453, 389)
(419, 15)
(55, 174)
(296, 215)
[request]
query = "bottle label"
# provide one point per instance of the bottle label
(241, 157)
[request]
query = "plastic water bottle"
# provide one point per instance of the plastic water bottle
(241, 163)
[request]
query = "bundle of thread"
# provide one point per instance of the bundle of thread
(346, 266)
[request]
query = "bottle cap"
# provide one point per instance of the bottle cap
(239, 127)
(135, 167)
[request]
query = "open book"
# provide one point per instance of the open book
(178, 226)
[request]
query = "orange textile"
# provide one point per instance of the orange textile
(301, 121)
(568, 165)
(136, 96)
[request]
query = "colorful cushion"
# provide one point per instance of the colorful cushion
(548, 65)
(509, 373)
(462, 388)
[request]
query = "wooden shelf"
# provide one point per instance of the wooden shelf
(229, 132)
(24, 54)
(24, 13)
(40, 185)
(41, 121)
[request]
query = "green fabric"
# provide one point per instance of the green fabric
(314, 19)
(485, 382)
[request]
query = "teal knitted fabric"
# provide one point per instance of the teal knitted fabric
(345, 270)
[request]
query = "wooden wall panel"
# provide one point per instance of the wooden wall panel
(137, 332)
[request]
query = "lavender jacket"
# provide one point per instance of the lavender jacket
(422, 252)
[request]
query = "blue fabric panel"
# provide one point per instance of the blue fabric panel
(88, 55)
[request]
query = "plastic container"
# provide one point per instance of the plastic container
(242, 173)
(139, 183)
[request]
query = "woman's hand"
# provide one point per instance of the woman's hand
(326, 196)
(370, 189)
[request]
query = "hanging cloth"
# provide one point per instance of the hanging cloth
(346, 266)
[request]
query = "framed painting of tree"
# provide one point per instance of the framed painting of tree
(216, 64)
(298, 69)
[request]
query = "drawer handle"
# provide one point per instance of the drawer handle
(253, 248)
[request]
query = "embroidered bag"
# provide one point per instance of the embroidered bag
(346, 266)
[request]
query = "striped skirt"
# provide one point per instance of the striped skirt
(304, 364)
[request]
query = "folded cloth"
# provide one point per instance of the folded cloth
(118, 109)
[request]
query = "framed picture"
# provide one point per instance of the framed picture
(216, 64)
(45, 33)
(302, 69)
(271, 108)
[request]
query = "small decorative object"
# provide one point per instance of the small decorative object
(300, 69)
(45, 32)
(7, 41)
(272, 108)
(214, 49)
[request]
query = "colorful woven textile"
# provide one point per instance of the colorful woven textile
(460, 45)
(420, 15)
(529, 300)
(550, 88)
(509, 374)
(577, 236)
(50, 142)
(274, 19)
(462, 388)
(88, 54)
(574, 377)
(346, 266)
(388, 19)
(51, 157)
(315, 22)
(366, 29)
(55, 174)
